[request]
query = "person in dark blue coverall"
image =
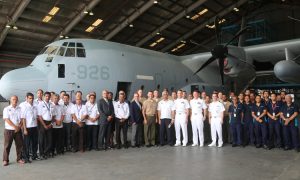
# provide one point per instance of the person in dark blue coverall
(259, 113)
(288, 114)
(248, 126)
(273, 108)
(236, 115)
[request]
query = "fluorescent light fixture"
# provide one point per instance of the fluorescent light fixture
(8, 26)
(67, 37)
(97, 22)
(158, 33)
(61, 36)
(90, 29)
(47, 19)
(131, 25)
(155, 2)
(187, 16)
(183, 41)
(85, 12)
(15, 27)
(178, 47)
(53, 11)
(160, 39)
(91, 13)
(153, 44)
(200, 13)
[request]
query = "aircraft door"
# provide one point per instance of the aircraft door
(124, 86)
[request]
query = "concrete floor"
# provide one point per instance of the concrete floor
(160, 163)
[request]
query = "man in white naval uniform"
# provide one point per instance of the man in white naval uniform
(198, 114)
(216, 115)
(181, 113)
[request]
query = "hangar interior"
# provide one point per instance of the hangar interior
(169, 26)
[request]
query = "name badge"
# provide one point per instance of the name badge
(258, 113)
(234, 115)
(288, 115)
(273, 114)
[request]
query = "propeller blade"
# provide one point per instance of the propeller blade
(201, 45)
(244, 61)
(217, 30)
(210, 60)
(221, 68)
(242, 31)
(295, 19)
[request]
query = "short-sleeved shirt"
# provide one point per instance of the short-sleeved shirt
(216, 108)
(30, 114)
(258, 109)
(150, 106)
(13, 114)
(273, 108)
(288, 111)
(93, 112)
(165, 108)
(197, 107)
(68, 112)
(46, 110)
(79, 111)
(180, 106)
(236, 113)
(59, 112)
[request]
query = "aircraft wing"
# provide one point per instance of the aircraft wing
(274, 52)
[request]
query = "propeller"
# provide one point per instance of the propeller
(220, 52)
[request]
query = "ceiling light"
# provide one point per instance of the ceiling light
(153, 44)
(53, 11)
(158, 33)
(97, 22)
(160, 39)
(47, 19)
(183, 41)
(61, 36)
(67, 37)
(8, 26)
(15, 27)
(155, 2)
(85, 12)
(187, 16)
(203, 11)
(90, 29)
(91, 13)
(236, 9)
(131, 25)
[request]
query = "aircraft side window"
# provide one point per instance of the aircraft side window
(49, 59)
(51, 50)
(70, 52)
(80, 52)
(61, 51)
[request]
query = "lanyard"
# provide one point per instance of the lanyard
(78, 110)
(90, 110)
(273, 107)
(47, 106)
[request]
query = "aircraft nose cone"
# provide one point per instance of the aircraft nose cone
(20, 81)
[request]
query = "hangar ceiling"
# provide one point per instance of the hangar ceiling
(26, 26)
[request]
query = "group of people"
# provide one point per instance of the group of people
(51, 124)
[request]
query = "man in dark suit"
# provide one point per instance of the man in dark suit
(106, 110)
(136, 120)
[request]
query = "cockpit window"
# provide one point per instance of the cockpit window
(65, 44)
(70, 52)
(61, 51)
(71, 44)
(80, 52)
(79, 45)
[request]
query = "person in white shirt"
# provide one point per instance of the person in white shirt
(67, 123)
(198, 114)
(181, 113)
(79, 114)
(61, 97)
(29, 117)
(46, 116)
(12, 131)
(164, 110)
(39, 98)
(58, 131)
(92, 124)
(216, 115)
(121, 119)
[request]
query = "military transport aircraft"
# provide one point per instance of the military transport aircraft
(94, 65)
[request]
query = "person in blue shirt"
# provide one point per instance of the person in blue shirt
(236, 115)
(273, 113)
(259, 113)
(248, 126)
(288, 114)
